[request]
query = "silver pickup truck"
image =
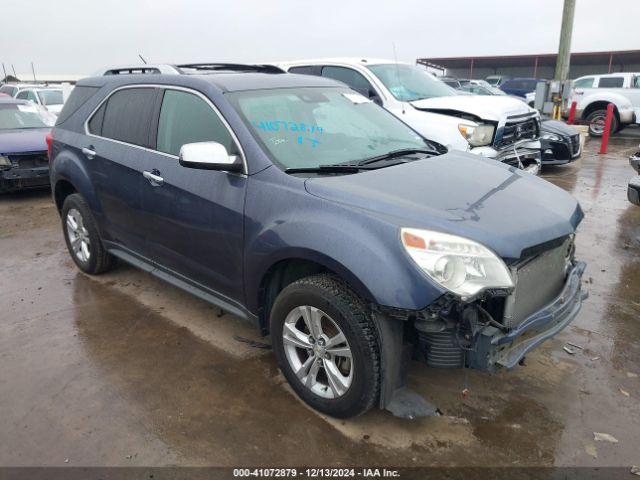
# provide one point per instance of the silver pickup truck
(593, 93)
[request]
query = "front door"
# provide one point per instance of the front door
(193, 217)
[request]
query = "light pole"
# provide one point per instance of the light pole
(564, 48)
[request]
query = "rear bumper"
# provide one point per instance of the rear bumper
(15, 178)
(495, 348)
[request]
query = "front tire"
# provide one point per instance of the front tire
(596, 121)
(82, 238)
(326, 345)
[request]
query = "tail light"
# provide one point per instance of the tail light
(49, 139)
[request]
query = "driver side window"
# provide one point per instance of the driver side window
(352, 78)
(583, 83)
(187, 118)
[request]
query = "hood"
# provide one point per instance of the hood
(486, 107)
(559, 128)
(502, 207)
(27, 140)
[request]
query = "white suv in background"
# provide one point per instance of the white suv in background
(49, 98)
(593, 93)
(497, 127)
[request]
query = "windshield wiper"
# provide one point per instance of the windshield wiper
(397, 153)
(325, 169)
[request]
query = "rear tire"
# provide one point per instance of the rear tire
(596, 120)
(82, 238)
(338, 378)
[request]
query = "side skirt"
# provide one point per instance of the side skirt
(183, 283)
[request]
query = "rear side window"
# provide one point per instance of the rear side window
(8, 89)
(127, 116)
(349, 76)
(22, 95)
(611, 82)
(187, 118)
(308, 70)
(583, 83)
(79, 95)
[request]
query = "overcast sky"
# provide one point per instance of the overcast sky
(80, 36)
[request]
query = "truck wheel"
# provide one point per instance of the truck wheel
(596, 120)
(326, 345)
(81, 236)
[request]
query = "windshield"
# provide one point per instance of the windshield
(408, 83)
(14, 116)
(51, 97)
(309, 127)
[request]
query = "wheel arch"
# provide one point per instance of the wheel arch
(69, 175)
(296, 265)
(600, 105)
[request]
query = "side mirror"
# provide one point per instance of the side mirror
(209, 156)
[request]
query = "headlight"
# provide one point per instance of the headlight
(477, 135)
(552, 137)
(4, 161)
(458, 264)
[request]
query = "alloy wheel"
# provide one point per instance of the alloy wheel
(78, 235)
(318, 352)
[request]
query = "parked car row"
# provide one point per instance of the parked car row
(321, 208)
(49, 97)
(592, 94)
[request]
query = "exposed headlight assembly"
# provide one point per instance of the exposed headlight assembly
(477, 135)
(458, 264)
(552, 137)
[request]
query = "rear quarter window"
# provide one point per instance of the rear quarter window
(78, 97)
(611, 82)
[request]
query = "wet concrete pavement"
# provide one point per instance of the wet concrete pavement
(123, 369)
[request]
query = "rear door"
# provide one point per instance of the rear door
(194, 218)
(120, 135)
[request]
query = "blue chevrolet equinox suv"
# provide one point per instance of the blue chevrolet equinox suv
(302, 206)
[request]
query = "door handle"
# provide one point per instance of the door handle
(89, 152)
(155, 180)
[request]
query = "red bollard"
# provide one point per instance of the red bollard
(572, 113)
(607, 129)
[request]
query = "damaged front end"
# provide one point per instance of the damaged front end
(499, 327)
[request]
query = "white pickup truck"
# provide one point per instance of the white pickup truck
(497, 127)
(593, 93)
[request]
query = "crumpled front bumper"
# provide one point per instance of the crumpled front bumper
(495, 348)
(526, 153)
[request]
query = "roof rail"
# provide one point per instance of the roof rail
(239, 67)
(144, 69)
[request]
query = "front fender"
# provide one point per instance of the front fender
(363, 249)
